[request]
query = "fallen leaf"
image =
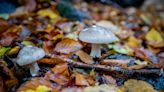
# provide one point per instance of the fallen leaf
(118, 49)
(35, 83)
(9, 79)
(40, 88)
(140, 62)
(2, 86)
(67, 46)
(84, 57)
(14, 50)
(80, 80)
(48, 13)
(133, 85)
(101, 88)
(72, 89)
(110, 79)
(133, 42)
(3, 50)
(146, 55)
(154, 36)
(115, 62)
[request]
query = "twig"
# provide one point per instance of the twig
(110, 69)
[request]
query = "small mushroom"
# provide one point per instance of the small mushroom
(28, 56)
(97, 35)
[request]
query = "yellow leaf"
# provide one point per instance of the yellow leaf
(40, 88)
(154, 35)
(47, 13)
(133, 42)
(43, 89)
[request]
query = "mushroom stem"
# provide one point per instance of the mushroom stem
(95, 50)
(34, 68)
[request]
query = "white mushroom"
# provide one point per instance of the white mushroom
(29, 55)
(97, 35)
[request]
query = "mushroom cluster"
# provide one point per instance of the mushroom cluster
(97, 35)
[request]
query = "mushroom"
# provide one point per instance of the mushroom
(97, 35)
(28, 56)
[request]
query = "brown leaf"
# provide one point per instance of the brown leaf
(3, 25)
(146, 55)
(48, 46)
(2, 88)
(9, 79)
(114, 62)
(80, 80)
(110, 79)
(59, 74)
(84, 57)
(35, 82)
(136, 67)
(67, 46)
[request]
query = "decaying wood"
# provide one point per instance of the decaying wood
(113, 69)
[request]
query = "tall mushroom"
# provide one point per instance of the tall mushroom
(97, 35)
(29, 55)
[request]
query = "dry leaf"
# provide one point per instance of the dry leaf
(115, 62)
(80, 80)
(67, 46)
(36, 82)
(132, 85)
(110, 79)
(101, 88)
(146, 55)
(84, 57)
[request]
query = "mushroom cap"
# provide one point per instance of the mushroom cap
(97, 35)
(29, 55)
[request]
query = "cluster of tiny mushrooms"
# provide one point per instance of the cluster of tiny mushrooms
(96, 35)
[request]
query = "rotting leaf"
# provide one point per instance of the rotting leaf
(84, 57)
(67, 46)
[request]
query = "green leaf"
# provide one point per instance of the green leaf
(3, 50)
(118, 49)
(138, 62)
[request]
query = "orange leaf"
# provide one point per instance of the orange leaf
(67, 46)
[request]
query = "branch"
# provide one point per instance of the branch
(111, 69)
